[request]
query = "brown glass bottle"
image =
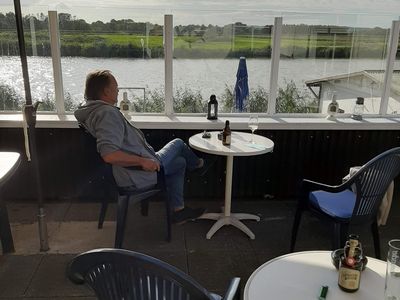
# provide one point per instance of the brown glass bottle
(226, 134)
(350, 266)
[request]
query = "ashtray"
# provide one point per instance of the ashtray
(206, 135)
(337, 254)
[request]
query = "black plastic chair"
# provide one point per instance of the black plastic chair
(122, 274)
(125, 195)
(354, 202)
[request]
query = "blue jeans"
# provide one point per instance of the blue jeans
(175, 158)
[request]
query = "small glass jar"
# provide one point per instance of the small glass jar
(358, 109)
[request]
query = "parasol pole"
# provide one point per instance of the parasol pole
(29, 112)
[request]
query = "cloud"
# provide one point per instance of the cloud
(353, 6)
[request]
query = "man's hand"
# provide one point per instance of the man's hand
(150, 165)
(123, 159)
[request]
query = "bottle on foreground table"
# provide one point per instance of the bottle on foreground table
(351, 264)
(226, 134)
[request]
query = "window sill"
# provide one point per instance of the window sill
(192, 122)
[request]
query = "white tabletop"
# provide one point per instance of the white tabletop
(240, 144)
(300, 276)
(8, 161)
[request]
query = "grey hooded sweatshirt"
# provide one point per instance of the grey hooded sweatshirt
(113, 132)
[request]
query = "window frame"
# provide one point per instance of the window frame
(168, 39)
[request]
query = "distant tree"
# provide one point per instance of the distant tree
(256, 102)
(227, 99)
(154, 102)
(157, 30)
(9, 99)
(69, 103)
(98, 26)
(10, 20)
(241, 28)
(49, 103)
(64, 18)
(188, 101)
(291, 100)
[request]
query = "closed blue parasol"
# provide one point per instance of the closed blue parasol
(242, 85)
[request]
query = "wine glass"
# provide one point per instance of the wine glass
(253, 125)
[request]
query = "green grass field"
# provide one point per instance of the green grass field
(371, 46)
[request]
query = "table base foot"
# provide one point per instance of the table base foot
(241, 216)
(239, 225)
(233, 220)
(210, 216)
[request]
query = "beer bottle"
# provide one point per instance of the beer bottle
(350, 266)
(226, 134)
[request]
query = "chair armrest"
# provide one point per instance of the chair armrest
(310, 185)
(232, 290)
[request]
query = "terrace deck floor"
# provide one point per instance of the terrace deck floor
(72, 227)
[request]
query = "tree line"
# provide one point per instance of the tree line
(125, 38)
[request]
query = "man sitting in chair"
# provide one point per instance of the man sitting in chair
(123, 145)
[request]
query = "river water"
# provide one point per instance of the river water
(208, 76)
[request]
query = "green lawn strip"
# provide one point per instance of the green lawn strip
(365, 45)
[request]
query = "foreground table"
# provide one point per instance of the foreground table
(9, 162)
(240, 146)
(300, 276)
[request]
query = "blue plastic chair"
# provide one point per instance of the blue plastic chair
(122, 274)
(355, 201)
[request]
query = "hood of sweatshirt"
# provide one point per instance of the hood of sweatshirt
(87, 108)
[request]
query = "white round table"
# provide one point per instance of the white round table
(9, 162)
(241, 145)
(300, 276)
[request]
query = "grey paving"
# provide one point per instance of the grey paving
(29, 274)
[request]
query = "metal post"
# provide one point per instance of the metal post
(168, 53)
(56, 59)
(233, 38)
(30, 115)
(252, 38)
(147, 39)
(33, 35)
(142, 42)
(391, 57)
(275, 56)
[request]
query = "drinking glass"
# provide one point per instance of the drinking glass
(392, 282)
(253, 125)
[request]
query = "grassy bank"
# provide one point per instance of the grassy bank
(130, 45)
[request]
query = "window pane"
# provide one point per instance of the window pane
(322, 55)
(131, 46)
(37, 45)
(207, 48)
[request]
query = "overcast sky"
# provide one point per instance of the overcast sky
(253, 12)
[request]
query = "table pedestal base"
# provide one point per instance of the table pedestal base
(232, 219)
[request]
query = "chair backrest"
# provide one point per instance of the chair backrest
(372, 182)
(101, 169)
(123, 274)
